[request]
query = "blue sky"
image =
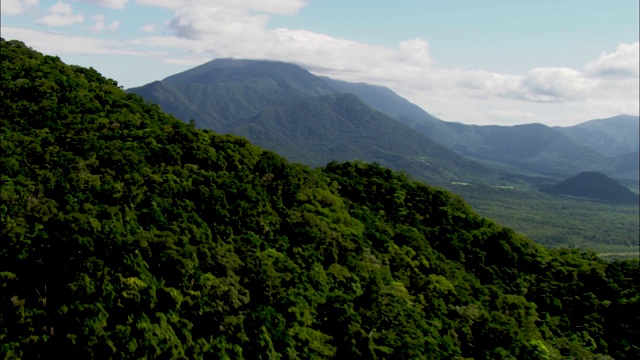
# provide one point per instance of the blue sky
(485, 62)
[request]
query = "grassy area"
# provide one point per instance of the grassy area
(560, 221)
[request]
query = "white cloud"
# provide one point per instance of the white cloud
(555, 85)
(509, 115)
(283, 7)
(112, 4)
(149, 28)
(59, 43)
(625, 61)
(167, 4)
(16, 7)
(100, 26)
(199, 22)
(60, 14)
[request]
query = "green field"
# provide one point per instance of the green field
(560, 221)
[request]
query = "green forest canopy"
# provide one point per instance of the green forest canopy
(127, 233)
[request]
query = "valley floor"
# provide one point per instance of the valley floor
(560, 221)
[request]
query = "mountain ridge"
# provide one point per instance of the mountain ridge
(224, 92)
(612, 136)
(244, 93)
(476, 141)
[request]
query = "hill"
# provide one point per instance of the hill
(382, 99)
(594, 185)
(128, 233)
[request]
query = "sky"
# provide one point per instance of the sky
(504, 62)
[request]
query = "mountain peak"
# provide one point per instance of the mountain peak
(265, 74)
(594, 185)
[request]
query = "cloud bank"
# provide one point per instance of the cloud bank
(16, 7)
(197, 31)
(60, 14)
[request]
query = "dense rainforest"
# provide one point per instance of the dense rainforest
(127, 233)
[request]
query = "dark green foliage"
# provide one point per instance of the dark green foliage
(127, 233)
(560, 221)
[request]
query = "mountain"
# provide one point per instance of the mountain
(594, 185)
(531, 146)
(284, 108)
(220, 92)
(128, 233)
(613, 137)
(341, 127)
(627, 165)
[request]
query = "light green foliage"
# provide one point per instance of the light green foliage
(127, 233)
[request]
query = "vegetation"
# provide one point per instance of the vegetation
(559, 221)
(127, 233)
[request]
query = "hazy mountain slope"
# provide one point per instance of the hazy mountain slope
(130, 234)
(341, 127)
(285, 108)
(220, 92)
(627, 165)
(532, 147)
(382, 99)
(388, 102)
(614, 136)
(175, 102)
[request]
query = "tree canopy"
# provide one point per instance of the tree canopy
(127, 233)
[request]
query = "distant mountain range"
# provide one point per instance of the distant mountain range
(311, 119)
(607, 145)
(593, 185)
(614, 136)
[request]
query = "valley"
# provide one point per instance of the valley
(560, 221)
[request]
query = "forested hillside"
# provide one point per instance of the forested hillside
(127, 233)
